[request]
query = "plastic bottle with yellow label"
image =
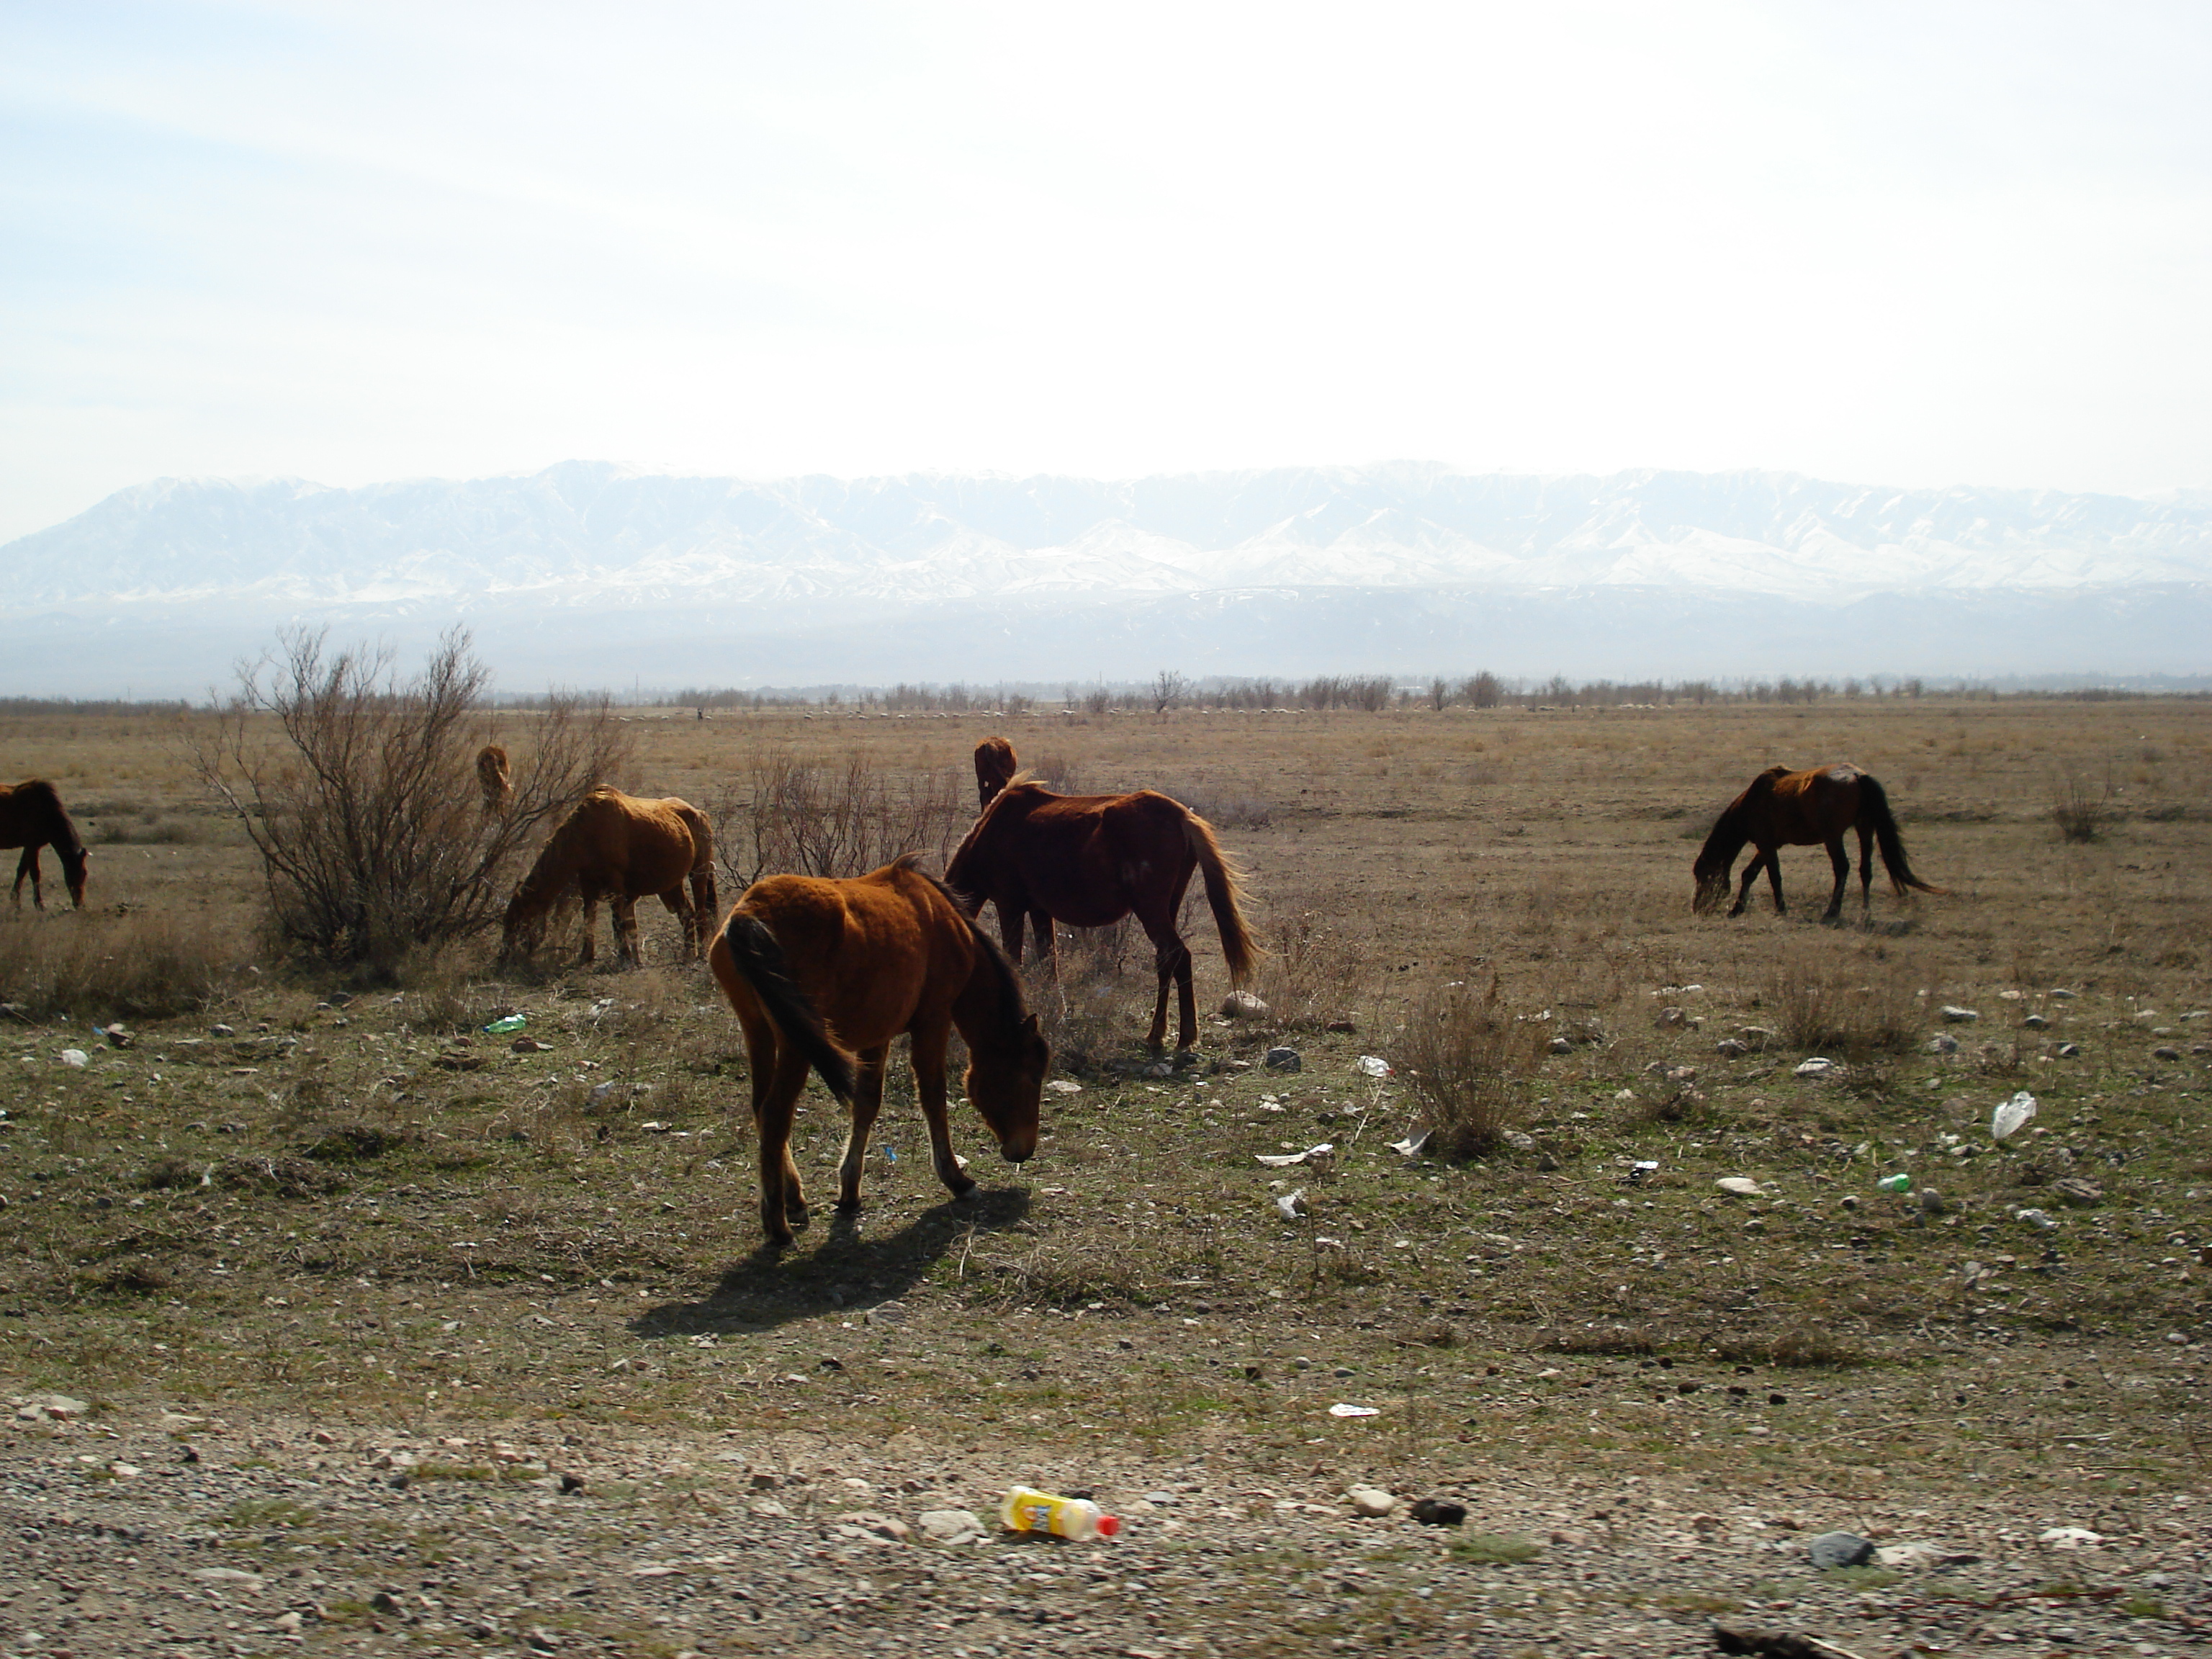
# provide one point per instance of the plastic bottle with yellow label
(1027, 1509)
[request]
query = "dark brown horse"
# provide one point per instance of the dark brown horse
(825, 973)
(995, 767)
(1090, 859)
(31, 817)
(618, 848)
(1784, 808)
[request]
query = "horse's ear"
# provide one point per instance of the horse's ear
(1029, 1026)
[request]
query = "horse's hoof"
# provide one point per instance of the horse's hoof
(849, 1206)
(964, 1191)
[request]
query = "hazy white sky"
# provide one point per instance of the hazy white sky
(1913, 243)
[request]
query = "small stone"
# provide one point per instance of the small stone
(1942, 1043)
(1561, 1046)
(1741, 1186)
(950, 1526)
(1838, 1549)
(2036, 1023)
(1814, 1066)
(529, 1045)
(1931, 1202)
(2166, 1051)
(1731, 1047)
(572, 1484)
(1242, 1004)
(2070, 1051)
(76, 1059)
(1959, 1015)
(222, 1030)
(2069, 1537)
(2077, 1191)
(1370, 1501)
(1342, 1027)
(1756, 1035)
(769, 1508)
(60, 1406)
(1437, 1512)
(227, 1575)
(1283, 1059)
(1668, 1019)
(869, 1524)
(289, 1624)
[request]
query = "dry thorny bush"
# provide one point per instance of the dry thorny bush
(785, 812)
(363, 803)
(1461, 1053)
(1832, 996)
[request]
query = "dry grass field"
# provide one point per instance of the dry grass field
(306, 1235)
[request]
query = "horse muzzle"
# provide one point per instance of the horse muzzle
(1019, 1149)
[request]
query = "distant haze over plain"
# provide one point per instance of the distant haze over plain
(587, 575)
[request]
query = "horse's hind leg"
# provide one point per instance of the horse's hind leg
(1842, 860)
(680, 908)
(867, 1101)
(590, 953)
(776, 1102)
(625, 914)
(1866, 869)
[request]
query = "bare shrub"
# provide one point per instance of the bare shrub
(363, 799)
(1459, 1053)
(146, 966)
(1314, 968)
(1082, 1017)
(1849, 1004)
(2081, 812)
(784, 811)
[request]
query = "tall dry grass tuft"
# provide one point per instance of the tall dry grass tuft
(1851, 1003)
(1315, 967)
(786, 813)
(2081, 812)
(359, 790)
(90, 967)
(1460, 1052)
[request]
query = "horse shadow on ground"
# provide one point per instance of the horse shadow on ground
(848, 1274)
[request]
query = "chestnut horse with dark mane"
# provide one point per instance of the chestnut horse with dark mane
(495, 779)
(31, 817)
(1090, 859)
(1784, 808)
(995, 768)
(618, 848)
(824, 974)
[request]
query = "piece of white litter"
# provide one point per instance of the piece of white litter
(1288, 1204)
(1060, 1085)
(2012, 1116)
(75, 1057)
(2070, 1538)
(1354, 1410)
(1371, 1065)
(1814, 1066)
(1414, 1145)
(1278, 1160)
(1741, 1186)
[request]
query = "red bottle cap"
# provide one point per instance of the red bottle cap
(1109, 1525)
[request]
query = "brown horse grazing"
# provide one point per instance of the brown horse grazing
(621, 848)
(802, 958)
(1090, 859)
(1784, 808)
(492, 776)
(31, 817)
(995, 768)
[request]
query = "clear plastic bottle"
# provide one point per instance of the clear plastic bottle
(1027, 1509)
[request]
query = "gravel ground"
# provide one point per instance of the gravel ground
(137, 1529)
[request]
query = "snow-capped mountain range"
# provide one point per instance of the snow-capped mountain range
(595, 574)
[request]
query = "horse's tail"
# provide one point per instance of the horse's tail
(1224, 886)
(704, 904)
(1873, 806)
(759, 961)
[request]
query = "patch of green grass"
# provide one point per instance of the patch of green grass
(1491, 1549)
(249, 1514)
(2142, 1606)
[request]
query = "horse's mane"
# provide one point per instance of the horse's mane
(40, 793)
(1011, 1003)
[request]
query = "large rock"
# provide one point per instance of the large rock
(1370, 1500)
(1839, 1549)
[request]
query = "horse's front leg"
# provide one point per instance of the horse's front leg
(1774, 879)
(1187, 992)
(1750, 875)
(590, 953)
(1842, 860)
(1047, 943)
(680, 908)
(28, 865)
(927, 1052)
(867, 1101)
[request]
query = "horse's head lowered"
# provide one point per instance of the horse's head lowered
(1006, 1081)
(1715, 865)
(73, 862)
